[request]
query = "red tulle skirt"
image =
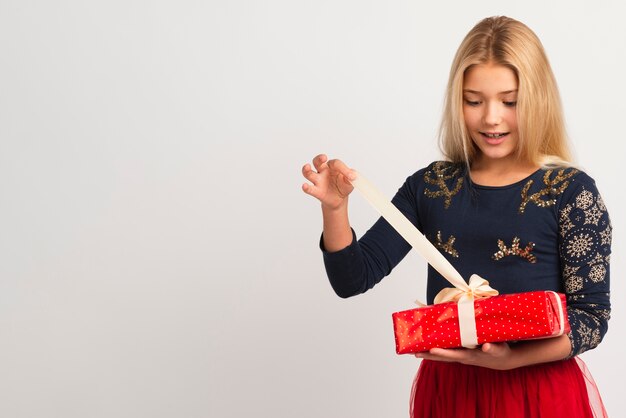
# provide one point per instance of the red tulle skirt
(557, 389)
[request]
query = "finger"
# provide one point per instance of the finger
(452, 354)
(307, 188)
(309, 174)
(320, 161)
(442, 352)
(311, 190)
(342, 168)
(494, 348)
(430, 356)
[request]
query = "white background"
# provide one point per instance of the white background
(157, 256)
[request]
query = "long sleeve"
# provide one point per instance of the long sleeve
(365, 262)
(585, 248)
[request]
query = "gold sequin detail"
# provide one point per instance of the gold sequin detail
(448, 246)
(597, 273)
(598, 259)
(603, 313)
(605, 236)
(569, 271)
(589, 337)
(437, 176)
(580, 245)
(525, 253)
(573, 284)
(546, 197)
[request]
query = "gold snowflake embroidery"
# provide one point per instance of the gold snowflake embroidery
(584, 199)
(573, 284)
(569, 271)
(525, 253)
(593, 215)
(597, 273)
(565, 222)
(585, 334)
(604, 314)
(546, 197)
(579, 245)
(605, 236)
(448, 246)
(589, 337)
(597, 259)
(437, 176)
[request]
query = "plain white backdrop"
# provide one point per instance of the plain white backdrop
(157, 256)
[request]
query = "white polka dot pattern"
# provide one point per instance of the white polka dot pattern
(512, 317)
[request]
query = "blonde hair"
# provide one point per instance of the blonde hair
(541, 129)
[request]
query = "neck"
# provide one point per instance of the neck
(500, 172)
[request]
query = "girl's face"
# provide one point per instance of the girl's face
(489, 100)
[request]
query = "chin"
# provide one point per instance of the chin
(497, 156)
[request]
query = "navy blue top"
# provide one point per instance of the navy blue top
(549, 231)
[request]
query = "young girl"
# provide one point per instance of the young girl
(506, 204)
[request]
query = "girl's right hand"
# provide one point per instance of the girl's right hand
(330, 181)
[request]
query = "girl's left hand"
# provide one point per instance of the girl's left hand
(497, 356)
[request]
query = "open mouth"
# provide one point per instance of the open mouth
(494, 135)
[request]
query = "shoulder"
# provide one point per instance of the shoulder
(573, 184)
(557, 185)
(576, 176)
(445, 169)
(438, 179)
(581, 208)
(581, 179)
(561, 176)
(563, 187)
(438, 171)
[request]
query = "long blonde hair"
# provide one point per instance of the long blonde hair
(541, 129)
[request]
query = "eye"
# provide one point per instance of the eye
(472, 102)
(510, 104)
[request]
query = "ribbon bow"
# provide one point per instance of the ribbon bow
(478, 288)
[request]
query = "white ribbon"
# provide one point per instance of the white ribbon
(462, 292)
(479, 289)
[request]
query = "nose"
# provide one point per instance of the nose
(492, 114)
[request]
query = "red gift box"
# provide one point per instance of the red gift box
(512, 317)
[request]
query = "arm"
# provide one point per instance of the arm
(354, 266)
(330, 184)
(585, 247)
(502, 356)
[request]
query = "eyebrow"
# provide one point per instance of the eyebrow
(477, 92)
